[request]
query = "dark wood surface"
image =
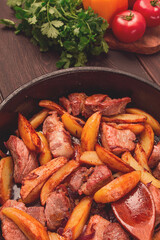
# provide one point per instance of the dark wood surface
(21, 61)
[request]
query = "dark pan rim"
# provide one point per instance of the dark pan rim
(70, 71)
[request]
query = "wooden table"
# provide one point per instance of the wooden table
(21, 61)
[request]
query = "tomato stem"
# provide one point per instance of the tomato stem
(155, 3)
(128, 17)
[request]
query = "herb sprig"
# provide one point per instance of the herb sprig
(63, 25)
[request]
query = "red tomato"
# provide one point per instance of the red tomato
(150, 9)
(128, 26)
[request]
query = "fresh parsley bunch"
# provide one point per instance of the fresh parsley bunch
(63, 25)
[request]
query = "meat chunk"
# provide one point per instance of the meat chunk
(101, 229)
(155, 156)
(10, 230)
(156, 172)
(24, 160)
(79, 177)
(100, 176)
(77, 102)
(96, 227)
(66, 104)
(156, 197)
(117, 140)
(105, 105)
(58, 138)
(38, 213)
(116, 232)
(58, 208)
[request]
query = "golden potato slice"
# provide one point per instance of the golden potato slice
(45, 153)
(141, 157)
(147, 139)
(31, 228)
(28, 134)
(90, 132)
(136, 128)
(117, 188)
(6, 179)
(52, 106)
(113, 162)
(78, 218)
(34, 181)
(39, 118)
(55, 236)
(146, 177)
(2, 154)
(125, 118)
(150, 120)
(72, 125)
(91, 158)
(56, 179)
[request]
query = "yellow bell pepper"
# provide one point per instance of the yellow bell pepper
(106, 8)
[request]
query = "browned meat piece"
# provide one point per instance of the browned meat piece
(58, 138)
(105, 105)
(156, 172)
(155, 156)
(101, 229)
(24, 160)
(10, 230)
(38, 213)
(116, 232)
(79, 177)
(100, 176)
(96, 227)
(66, 104)
(58, 208)
(77, 102)
(116, 140)
(156, 197)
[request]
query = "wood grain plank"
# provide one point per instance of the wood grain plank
(21, 61)
(152, 66)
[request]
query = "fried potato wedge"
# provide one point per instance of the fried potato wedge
(126, 118)
(113, 162)
(31, 228)
(90, 132)
(45, 154)
(34, 181)
(117, 188)
(91, 158)
(150, 120)
(52, 106)
(56, 179)
(147, 139)
(72, 125)
(136, 128)
(55, 236)
(78, 217)
(38, 118)
(28, 134)
(6, 179)
(141, 157)
(146, 177)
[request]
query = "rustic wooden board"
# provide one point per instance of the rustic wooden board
(148, 44)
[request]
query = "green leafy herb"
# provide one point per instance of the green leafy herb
(63, 25)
